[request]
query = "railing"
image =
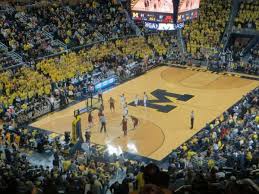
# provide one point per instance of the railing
(54, 41)
(14, 56)
(13, 66)
(245, 31)
(7, 9)
(100, 36)
(3, 47)
(132, 23)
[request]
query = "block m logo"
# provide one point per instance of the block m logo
(161, 96)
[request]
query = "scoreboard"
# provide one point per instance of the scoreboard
(164, 14)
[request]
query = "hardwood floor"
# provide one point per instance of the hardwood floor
(165, 124)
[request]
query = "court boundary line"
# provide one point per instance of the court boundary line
(155, 67)
(233, 74)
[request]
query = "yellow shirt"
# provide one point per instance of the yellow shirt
(249, 156)
(140, 180)
(66, 164)
(24, 106)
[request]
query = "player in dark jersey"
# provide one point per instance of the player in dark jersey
(124, 124)
(112, 104)
(87, 136)
(90, 120)
(135, 121)
(100, 96)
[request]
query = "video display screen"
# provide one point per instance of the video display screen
(162, 11)
(153, 10)
(159, 6)
(188, 5)
(187, 10)
(164, 14)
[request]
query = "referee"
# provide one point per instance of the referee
(192, 119)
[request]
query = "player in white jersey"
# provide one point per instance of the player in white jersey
(125, 110)
(136, 100)
(145, 99)
(122, 100)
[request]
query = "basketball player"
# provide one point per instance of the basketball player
(100, 113)
(125, 110)
(192, 119)
(136, 100)
(102, 107)
(87, 136)
(122, 99)
(124, 124)
(100, 96)
(145, 99)
(90, 120)
(103, 123)
(135, 121)
(112, 104)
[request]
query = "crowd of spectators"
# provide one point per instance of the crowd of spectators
(53, 76)
(221, 158)
(22, 34)
(25, 30)
(205, 32)
(248, 15)
(255, 52)
(213, 161)
(244, 67)
(165, 44)
(85, 23)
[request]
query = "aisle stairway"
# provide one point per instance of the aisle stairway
(181, 42)
(13, 55)
(229, 26)
(132, 24)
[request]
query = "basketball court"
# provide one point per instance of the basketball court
(165, 124)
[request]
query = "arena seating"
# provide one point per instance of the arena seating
(255, 52)
(248, 15)
(21, 34)
(206, 31)
(22, 86)
(215, 160)
(68, 66)
(222, 158)
(165, 44)
(68, 23)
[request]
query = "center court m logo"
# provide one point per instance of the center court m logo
(161, 96)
